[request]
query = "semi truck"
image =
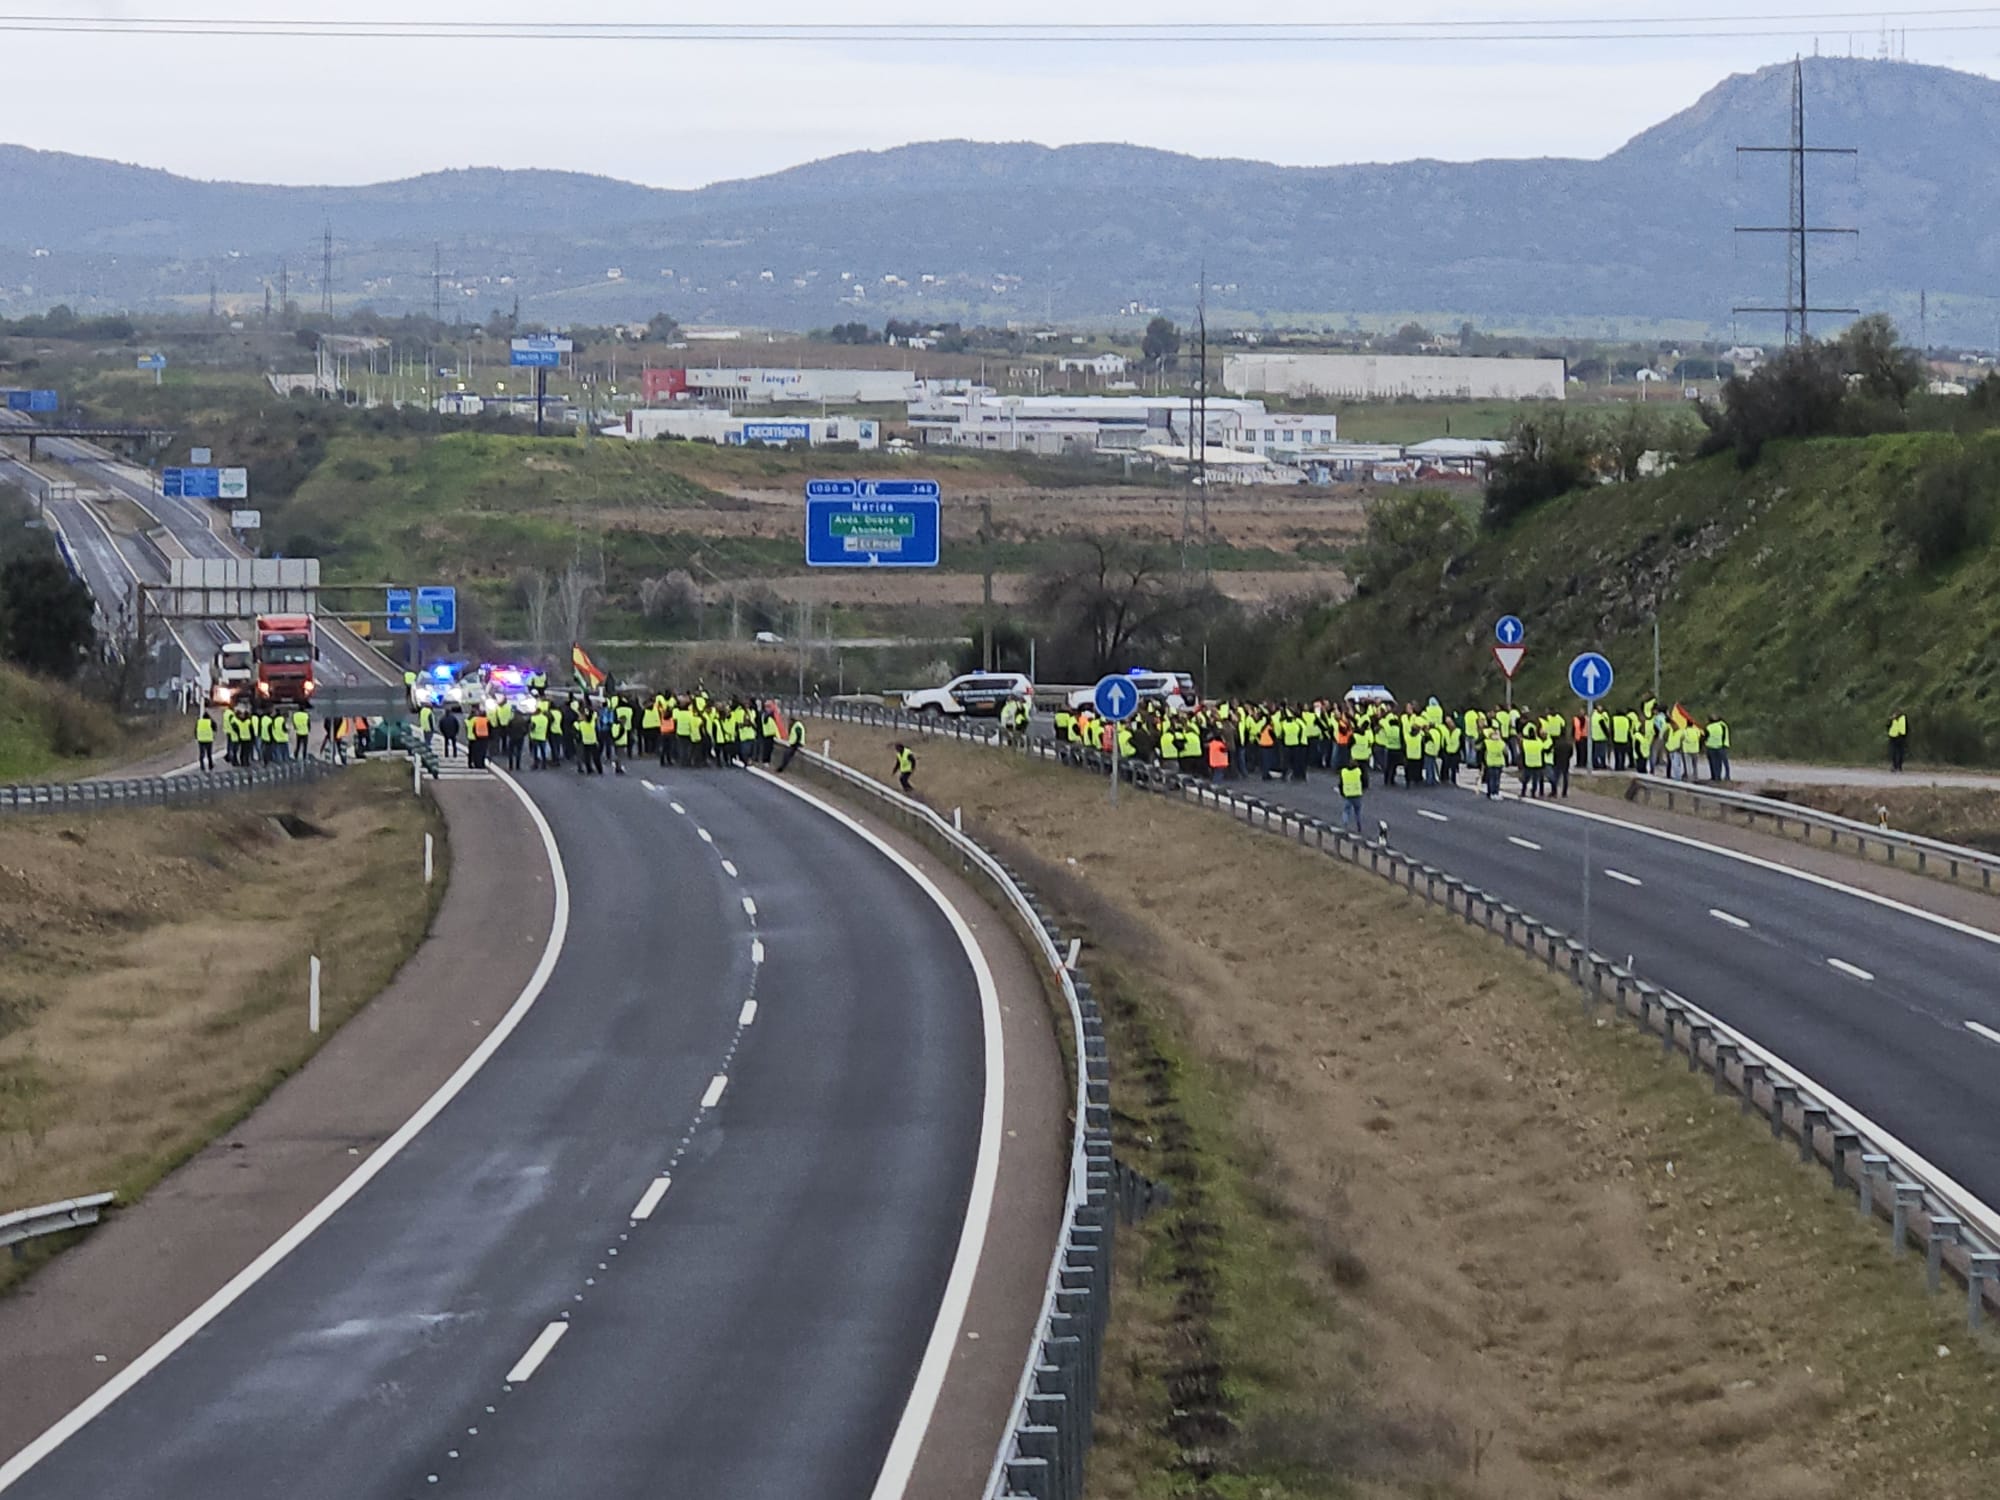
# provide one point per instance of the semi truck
(232, 675)
(287, 653)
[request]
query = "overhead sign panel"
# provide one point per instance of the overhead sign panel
(33, 401)
(192, 484)
(232, 484)
(538, 353)
(872, 523)
(236, 588)
(436, 610)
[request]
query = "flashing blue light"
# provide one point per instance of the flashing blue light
(443, 671)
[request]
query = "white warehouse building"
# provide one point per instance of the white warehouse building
(1111, 424)
(1373, 377)
(750, 386)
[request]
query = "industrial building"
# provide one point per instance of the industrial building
(706, 425)
(1053, 425)
(754, 386)
(1379, 377)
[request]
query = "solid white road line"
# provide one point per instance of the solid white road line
(1722, 916)
(756, 950)
(729, 869)
(538, 1351)
(1435, 817)
(749, 907)
(894, 1478)
(331, 1204)
(1986, 1031)
(715, 1087)
(1623, 879)
(655, 1191)
(706, 836)
(749, 1013)
(1524, 843)
(1850, 969)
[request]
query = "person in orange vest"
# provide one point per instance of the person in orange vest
(1218, 757)
(482, 727)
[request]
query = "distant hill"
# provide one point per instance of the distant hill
(1025, 231)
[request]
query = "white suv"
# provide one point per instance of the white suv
(974, 693)
(1173, 690)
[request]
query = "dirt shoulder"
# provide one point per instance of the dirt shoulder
(1433, 1232)
(204, 1012)
(1000, 1320)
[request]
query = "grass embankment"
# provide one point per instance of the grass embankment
(1957, 815)
(1786, 600)
(1434, 1233)
(155, 983)
(49, 732)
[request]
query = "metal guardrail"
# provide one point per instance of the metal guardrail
(1931, 856)
(1922, 1204)
(51, 1218)
(1048, 1432)
(154, 791)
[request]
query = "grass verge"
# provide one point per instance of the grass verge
(1435, 1233)
(155, 984)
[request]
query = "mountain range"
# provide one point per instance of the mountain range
(1642, 237)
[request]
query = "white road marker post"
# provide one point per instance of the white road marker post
(312, 994)
(416, 776)
(427, 859)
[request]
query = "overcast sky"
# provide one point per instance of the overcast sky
(680, 114)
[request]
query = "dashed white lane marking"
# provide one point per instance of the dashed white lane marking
(749, 1013)
(647, 785)
(678, 808)
(1435, 817)
(1524, 843)
(1730, 917)
(1623, 879)
(706, 836)
(756, 950)
(655, 1191)
(729, 869)
(749, 907)
(538, 1351)
(1849, 969)
(1986, 1031)
(715, 1087)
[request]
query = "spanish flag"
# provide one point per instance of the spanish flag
(1680, 718)
(587, 671)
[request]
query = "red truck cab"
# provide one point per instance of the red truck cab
(287, 655)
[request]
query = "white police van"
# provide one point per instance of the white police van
(977, 694)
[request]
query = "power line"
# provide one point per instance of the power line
(1933, 20)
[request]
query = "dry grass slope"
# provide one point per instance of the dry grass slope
(1435, 1234)
(154, 985)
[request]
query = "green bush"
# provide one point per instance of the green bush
(1944, 510)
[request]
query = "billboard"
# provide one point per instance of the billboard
(540, 352)
(777, 432)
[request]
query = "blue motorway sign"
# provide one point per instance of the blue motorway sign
(1590, 676)
(191, 484)
(539, 352)
(871, 523)
(33, 401)
(1116, 698)
(152, 361)
(437, 611)
(1509, 631)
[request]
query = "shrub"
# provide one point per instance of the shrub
(1943, 511)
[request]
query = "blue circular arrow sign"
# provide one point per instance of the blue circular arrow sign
(1115, 698)
(1590, 676)
(1509, 631)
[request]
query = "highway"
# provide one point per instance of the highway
(686, 1232)
(353, 664)
(1893, 1010)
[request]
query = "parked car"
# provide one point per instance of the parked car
(976, 693)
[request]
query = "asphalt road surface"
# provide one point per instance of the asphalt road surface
(1895, 1012)
(514, 1308)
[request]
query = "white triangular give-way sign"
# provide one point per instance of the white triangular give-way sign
(1509, 658)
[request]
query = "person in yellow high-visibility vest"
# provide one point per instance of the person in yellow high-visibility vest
(204, 740)
(1899, 739)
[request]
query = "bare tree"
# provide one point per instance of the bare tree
(576, 594)
(537, 595)
(1106, 600)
